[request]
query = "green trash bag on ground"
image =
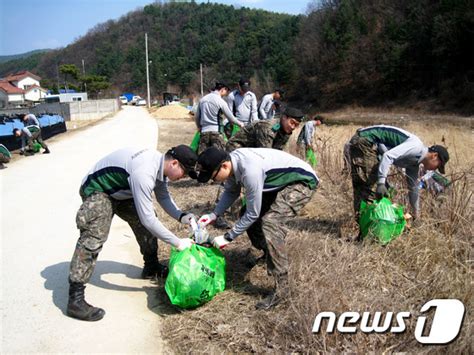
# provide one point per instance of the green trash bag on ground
(381, 220)
(311, 157)
(195, 143)
(196, 275)
(36, 147)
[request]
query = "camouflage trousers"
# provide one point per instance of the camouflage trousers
(211, 139)
(364, 168)
(93, 221)
(269, 231)
(36, 136)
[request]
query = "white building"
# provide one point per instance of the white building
(21, 88)
(67, 97)
(35, 93)
(23, 79)
(10, 95)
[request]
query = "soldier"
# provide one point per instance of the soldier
(208, 119)
(29, 135)
(277, 186)
(373, 150)
(306, 137)
(267, 133)
(5, 156)
(29, 119)
(266, 109)
(243, 103)
(122, 183)
(264, 134)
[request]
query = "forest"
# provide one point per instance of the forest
(340, 52)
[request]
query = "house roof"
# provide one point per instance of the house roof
(9, 88)
(21, 75)
(35, 86)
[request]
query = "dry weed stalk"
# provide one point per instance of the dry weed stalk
(329, 274)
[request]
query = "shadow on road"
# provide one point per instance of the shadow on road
(56, 280)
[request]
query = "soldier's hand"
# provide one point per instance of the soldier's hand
(207, 219)
(381, 191)
(184, 244)
(187, 217)
(219, 242)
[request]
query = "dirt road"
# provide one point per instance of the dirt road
(38, 234)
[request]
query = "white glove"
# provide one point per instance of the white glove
(219, 242)
(186, 218)
(207, 219)
(184, 243)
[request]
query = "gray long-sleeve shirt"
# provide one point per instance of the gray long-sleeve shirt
(309, 128)
(207, 115)
(265, 109)
(261, 170)
(402, 149)
(31, 119)
(244, 107)
(135, 173)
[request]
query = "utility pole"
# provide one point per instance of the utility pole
(147, 71)
(84, 74)
(202, 88)
(57, 75)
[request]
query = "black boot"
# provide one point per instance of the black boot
(77, 306)
(278, 295)
(46, 151)
(154, 268)
(254, 261)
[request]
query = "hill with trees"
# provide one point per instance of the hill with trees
(229, 42)
(7, 58)
(340, 52)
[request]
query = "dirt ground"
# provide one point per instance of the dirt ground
(38, 234)
(329, 272)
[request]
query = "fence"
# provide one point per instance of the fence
(71, 111)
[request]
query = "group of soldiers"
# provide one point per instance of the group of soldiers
(276, 185)
(30, 135)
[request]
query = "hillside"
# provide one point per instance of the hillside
(7, 58)
(229, 43)
(341, 53)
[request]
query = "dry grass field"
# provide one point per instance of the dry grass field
(328, 272)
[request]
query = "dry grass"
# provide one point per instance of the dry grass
(328, 273)
(168, 112)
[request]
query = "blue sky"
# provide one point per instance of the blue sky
(26, 25)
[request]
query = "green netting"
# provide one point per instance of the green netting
(196, 275)
(381, 220)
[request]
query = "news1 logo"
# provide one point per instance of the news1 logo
(445, 326)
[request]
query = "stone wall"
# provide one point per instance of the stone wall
(72, 111)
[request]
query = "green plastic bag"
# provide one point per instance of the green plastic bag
(381, 220)
(196, 275)
(235, 130)
(36, 147)
(311, 157)
(195, 143)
